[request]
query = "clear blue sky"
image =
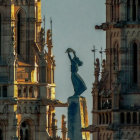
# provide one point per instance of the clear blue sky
(73, 26)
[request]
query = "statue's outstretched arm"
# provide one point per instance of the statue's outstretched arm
(69, 56)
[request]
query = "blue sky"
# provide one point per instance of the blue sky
(73, 26)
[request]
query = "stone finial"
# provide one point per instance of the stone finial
(42, 38)
(49, 39)
(63, 127)
(103, 67)
(97, 70)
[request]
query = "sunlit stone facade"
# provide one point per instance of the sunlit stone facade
(27, 88)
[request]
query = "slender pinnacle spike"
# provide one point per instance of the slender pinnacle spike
(44, 20)
(94, 52)
(51, 26)
(101, 52)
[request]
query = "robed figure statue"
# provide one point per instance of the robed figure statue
(78, 83)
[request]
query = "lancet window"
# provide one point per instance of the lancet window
(134, 10)
(21, 46)
(122, 118)
(115, 11)
(128, 10)
(25, 132)
(3, 91)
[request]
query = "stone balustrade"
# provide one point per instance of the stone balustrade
(104, 118)
(130, 117)
(28, 91)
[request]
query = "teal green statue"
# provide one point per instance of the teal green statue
(78, 83)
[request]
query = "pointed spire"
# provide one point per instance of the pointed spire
(63, 127)
(94, 52)
(54, 126)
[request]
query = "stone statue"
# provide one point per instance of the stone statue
(97, 70)
(78, 83)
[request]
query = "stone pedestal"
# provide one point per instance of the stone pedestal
(77, 118)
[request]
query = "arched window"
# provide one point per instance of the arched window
(21, 40)
(128, 10)
(135, 58)
(134, 10)
(4, 91)
(128, 118)
(25, 131)
(18, 32)
(122, 118)
(135, 117)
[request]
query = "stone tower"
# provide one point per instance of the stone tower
(27, 88)
(116, 96)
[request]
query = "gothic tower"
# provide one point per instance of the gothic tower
(116, 96)
(27, 88)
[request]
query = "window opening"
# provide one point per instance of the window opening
(122, 118)
(128, 118)
(128, 10)
(134, 10)
(4, 91)
(135, 118)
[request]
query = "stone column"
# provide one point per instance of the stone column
(24, 92)
(109, 11)
(77, 118)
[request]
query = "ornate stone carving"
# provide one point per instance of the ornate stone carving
(97, 70)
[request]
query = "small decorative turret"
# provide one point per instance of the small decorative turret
(49, 42)
(54, 126)
(103, 68)
(63, 127)
(42, 39)
(97, 70)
